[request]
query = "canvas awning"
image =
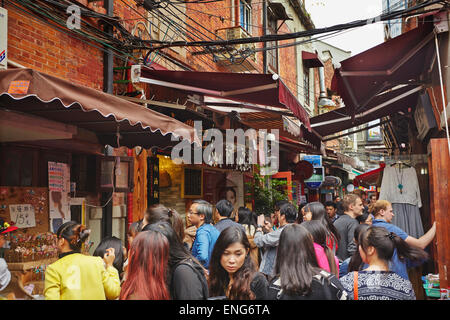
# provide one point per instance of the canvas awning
(115, 122)
(370, 178)
(258, 89)
(380, 81)
(268, 118)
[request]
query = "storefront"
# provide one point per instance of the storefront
(231, 101)
(401, 82)
(55, 167)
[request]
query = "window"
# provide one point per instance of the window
(192, 183)
(16, 167)
(245, 14)
(306, 85)
(116, 173)
(272, 55)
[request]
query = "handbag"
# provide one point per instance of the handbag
(355, 285)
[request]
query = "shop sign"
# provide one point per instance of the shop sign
(153, 180)
(22, 215)
(374, 134)
(393, 28)
(315, 160)
(316, 179)
(3, 38)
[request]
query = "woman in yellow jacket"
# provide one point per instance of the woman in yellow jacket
(75, 276)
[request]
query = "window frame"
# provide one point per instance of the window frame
(245, 13)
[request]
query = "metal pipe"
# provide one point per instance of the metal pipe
(107, 210)
(264, 8)
(323, 91)
(108, 55)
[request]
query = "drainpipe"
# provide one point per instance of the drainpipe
(264, 5)
(107, 211)
(108, 56)
(130, 154)
(323, 98)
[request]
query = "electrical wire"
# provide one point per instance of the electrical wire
(163, 18)
(267, 38)
(214, 34)
(64, 30)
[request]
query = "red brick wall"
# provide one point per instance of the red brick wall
(35, 44)
(217, 15)
(287, 62)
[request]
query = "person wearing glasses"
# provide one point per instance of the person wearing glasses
(200, 215)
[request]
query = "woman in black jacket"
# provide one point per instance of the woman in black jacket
(298, 276)
(232, 272)
(186, 277)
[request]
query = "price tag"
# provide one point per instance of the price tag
(22, 215)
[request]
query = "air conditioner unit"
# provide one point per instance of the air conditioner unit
(239, 52)
(3, 38)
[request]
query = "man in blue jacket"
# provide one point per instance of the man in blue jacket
(383, 213)
(200, 215)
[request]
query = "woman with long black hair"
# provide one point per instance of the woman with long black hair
(298, 275)
(377, 282)
(186, 277)
(317, 211)
(325, 257)
(232, 272)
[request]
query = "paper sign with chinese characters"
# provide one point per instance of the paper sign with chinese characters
(22, 215)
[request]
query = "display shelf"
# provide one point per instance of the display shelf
(24, 266)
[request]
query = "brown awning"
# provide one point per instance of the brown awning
(379, 82)
(260, 89)
(116, 122)
(266, 120)
(311, 60)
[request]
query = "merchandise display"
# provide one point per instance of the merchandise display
(26, 248)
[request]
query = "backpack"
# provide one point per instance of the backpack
(201, 275)
(323, 277)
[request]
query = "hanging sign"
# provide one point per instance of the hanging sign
(315, 160)
(316, 179)
(152, 180)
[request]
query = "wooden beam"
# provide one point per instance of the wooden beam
(153, 102)
(439, 180)
(15, 126)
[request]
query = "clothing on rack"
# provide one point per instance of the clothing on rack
(407, 217)
(400, 187)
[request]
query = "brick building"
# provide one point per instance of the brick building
(38, 37)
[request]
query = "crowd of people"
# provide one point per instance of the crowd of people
(340, 250)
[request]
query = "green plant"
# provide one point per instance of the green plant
(266, 192)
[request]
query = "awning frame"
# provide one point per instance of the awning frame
(371, 110)
(207, 91)
(266, 90)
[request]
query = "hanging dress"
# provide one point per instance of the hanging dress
(400, 187)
